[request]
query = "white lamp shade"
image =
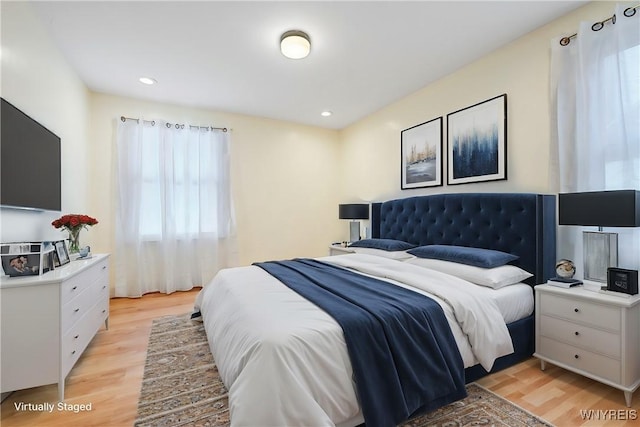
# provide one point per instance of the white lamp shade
(295, 44)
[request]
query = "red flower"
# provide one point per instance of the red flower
(74, 221)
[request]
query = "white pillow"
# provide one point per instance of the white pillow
(495, 278)
(399, 255)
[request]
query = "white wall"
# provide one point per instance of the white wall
(37, 80)
(283, 174)
(371, 147)
(283, 177)
(370, 152)
(287, 179)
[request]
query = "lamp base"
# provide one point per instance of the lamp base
(600, 252)
(354, 231)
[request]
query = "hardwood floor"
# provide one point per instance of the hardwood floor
(559, 396)
(109, 373)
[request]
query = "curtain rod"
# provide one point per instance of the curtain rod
(177, 126)
(628, 12)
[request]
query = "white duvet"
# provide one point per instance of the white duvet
(284, 360)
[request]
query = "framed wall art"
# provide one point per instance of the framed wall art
(421, 155)
(477, 142)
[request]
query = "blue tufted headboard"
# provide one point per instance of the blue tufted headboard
(522, 224)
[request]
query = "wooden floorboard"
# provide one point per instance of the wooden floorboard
(109, 374)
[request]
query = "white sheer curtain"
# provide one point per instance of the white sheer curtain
(175, 224)
(595, 118)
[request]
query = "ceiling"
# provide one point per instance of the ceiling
(225, 55)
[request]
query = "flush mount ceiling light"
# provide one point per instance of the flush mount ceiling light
(147, 80)
(295, 44)
(326, 113)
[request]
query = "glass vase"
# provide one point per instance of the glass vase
(74, 241)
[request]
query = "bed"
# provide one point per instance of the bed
(285, 361)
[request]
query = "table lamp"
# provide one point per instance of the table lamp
(353, 212)
(619, 208)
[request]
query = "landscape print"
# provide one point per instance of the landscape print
(421, 152)
(477, 142)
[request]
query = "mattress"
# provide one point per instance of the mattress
(514, 302)
(265, 337)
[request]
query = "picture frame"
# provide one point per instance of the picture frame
(421, 155)
(477, 142)
(27, 258)
(18, 265)
(62, 253)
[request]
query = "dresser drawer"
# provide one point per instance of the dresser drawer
(73, 287)
(81, 333)
(579, 335)
(596, 364)
(75, 309)
(102, 310)
(75, 341)
(577, 310)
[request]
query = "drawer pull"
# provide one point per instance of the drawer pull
(576, 310)
(576, 356)
(104, 311)
(76, 310)
(577, 333)
(76, 337)
(74, 288)
(104, 267)
(73, 352)
(104, 286)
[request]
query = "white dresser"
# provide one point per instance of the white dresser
(593, 334)
(47, 322)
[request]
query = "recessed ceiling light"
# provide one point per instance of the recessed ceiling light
(295, 44)
(326, 113)
(147, 80)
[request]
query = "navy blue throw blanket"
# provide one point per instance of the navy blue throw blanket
(404, 357)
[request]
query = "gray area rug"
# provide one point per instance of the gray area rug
(181, 387)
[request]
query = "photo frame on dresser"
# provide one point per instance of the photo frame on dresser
(61, 253)
(477, 142)
(421, 155)
(24, 259)
(27, 264)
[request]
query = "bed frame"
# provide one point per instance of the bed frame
(522, 224)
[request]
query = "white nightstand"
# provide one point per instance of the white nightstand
(593, 334)
(339, 250)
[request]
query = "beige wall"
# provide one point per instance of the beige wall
(283, 177)
(287, 179)
(37, 80)
(283, 174)
(371, 148)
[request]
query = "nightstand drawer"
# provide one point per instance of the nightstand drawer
(576, 334)
(578, 358)
(576, 310)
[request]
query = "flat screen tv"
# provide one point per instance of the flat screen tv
(30, 164)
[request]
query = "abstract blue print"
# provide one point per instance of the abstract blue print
(475, 152)
(477, 142)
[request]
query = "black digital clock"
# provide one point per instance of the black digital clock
(622, 280)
